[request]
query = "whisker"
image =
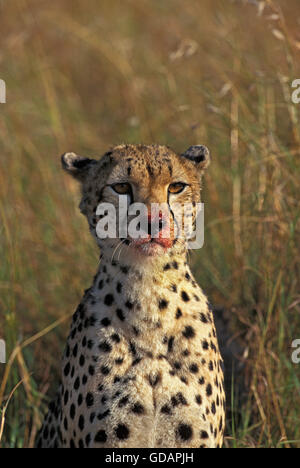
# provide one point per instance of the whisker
(118, 245)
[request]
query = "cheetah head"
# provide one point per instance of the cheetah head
(154, 178)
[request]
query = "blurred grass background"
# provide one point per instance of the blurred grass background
(85, 75)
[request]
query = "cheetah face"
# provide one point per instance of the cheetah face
(136, 194)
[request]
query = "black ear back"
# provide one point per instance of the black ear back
(198, 154)
(76, 165)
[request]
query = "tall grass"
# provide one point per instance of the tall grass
(83, 78)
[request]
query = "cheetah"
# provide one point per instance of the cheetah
(142, 367)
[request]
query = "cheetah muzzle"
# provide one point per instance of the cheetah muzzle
(142, 366)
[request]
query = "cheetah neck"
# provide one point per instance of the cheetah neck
(136, 297)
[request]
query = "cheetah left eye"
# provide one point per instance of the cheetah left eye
(122, 188)
(177, 187)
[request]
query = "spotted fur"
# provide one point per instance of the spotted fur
(142, 366)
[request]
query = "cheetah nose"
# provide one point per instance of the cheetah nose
(155, 224)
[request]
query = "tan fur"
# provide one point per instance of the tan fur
(142, 366)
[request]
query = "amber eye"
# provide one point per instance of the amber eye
(122, 188)
(177, 187)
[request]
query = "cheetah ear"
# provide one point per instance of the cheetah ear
(76, 165)
(199, 155)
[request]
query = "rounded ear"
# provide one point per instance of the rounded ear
(76, 165)
(199, 155)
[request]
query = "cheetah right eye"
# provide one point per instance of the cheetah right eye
(122, 188)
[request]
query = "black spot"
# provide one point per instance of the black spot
(170, 344)
(177, 365)
(198, 399)
(213, 408)
(209, 390)
(181, 399)
(100, 285)
(203, 435)
(103, 415)
(77, 384)
(91, 370)
(122, 432)
(119, 288)
(72, 411)
(81, 422)
(66, 424)
(211, 366)
(188, 332)
(67, 369)
(174, 288)
(105, 347)
(165, 409)
(138, 408)
(82, 360)
(105, 322)
(105, 370)
(119, 361)
(167, 267)
(90, 344)
(123, 401)
(185, 296)
(129, 305)
(203, 318)
(84, 379)
(162, 304)
(175, 265)
(120, 315)
(124, 269)
(90, 321)
(174, 401)
(89, 400)
(178, 313)
(109, 299)
(184, 431)
(213, 347)
(194, 368)
(101, 437)
(104, 399)
(221, 424)
(136, 361)
(205, 345)
(132, 348)
(115, 337)
(75, 350)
